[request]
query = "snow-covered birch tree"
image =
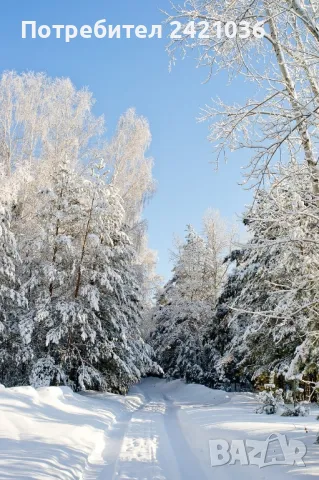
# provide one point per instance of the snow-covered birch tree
(281, 119)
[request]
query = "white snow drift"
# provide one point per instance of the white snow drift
(160, 431)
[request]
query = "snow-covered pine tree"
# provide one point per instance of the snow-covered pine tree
(185, 306)
(287, 221)
(12, 303)
(84, 310)
(49, 248)
(123, 356)
(86, 269)
(271, 312)
(220, 363)
(177, 338)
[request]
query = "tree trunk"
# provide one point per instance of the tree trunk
(293, 98)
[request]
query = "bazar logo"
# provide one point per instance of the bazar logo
(276, 450)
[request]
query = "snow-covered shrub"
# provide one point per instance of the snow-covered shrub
(45, 373)
(271, 399)
(299, 410)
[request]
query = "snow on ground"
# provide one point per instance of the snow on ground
(191, 394)
(52, 433)
(237, 420)
(160, 431)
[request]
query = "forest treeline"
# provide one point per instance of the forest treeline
(265, 318)
(76, 275)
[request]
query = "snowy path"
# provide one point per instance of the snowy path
(160, 431)
(153, 445)
(167, 438)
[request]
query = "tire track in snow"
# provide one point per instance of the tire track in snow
(188, 463)
(149, 444)
(144, 446)
(154, 446)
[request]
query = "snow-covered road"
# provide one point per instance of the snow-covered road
(160, 431)
(154, 446)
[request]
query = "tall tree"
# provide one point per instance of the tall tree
(270, 300)
(12, 302)
(187, 304)
(280, 120)
(85, 269)
(79, 278)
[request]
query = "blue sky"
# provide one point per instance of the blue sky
(134, 72)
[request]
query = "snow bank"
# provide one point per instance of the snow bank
(235, 419)
(160, 431)
(52, 432)
(192, 394)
